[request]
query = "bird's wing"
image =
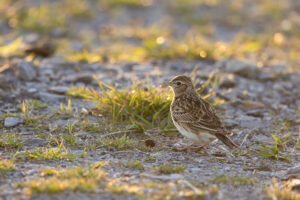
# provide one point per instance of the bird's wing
(202, 118)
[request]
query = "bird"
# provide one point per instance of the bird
(194, 117)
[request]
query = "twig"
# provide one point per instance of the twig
(196, 190)
(245, 138)
(147, 153)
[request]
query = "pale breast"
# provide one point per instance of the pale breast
(201, 138)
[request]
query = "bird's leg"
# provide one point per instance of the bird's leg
(201, 148)
(185, 148)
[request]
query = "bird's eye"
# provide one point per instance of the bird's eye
(178, 83)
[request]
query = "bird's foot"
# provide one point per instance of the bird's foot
(193, 149)
(201, 148)
(185, 149)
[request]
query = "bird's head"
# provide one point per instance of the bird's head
(181, 84)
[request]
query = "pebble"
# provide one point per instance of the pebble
(26, 71)
(32, 90)
(150, 143)
(58, 90)
(86, 78)
(227, 81)
(255, 113)
(252, 104)
(294, 170)
(12, 121)
(243, 68)
(44, 49)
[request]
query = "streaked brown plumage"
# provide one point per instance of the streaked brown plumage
(194, 117)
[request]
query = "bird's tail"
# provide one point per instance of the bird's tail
(227, 141)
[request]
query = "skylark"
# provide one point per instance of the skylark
(194, 117)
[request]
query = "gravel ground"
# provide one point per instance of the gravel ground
(258, 101)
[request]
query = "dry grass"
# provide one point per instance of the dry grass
(283, 191)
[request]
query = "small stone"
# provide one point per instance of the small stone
(86, 78)
(244, 69)
(44, 49)
(227, 81)
(255, 113)
(294, 170)
(32, 90)
(26, 71)
(252, 104)
(150, 143)
(12, 121)
(58, 90)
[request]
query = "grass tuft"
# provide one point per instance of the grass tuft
(71, 178)
(167, 168)
(115, 143)
(273, 152)
(50, 153)
(5, 166)
(223, 178)
(76, 92)
(66, 112)
(136, 164)
(10, 141)
(141, 106)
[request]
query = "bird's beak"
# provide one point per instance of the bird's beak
(165, 84)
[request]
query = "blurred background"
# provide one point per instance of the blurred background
(266, 32)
